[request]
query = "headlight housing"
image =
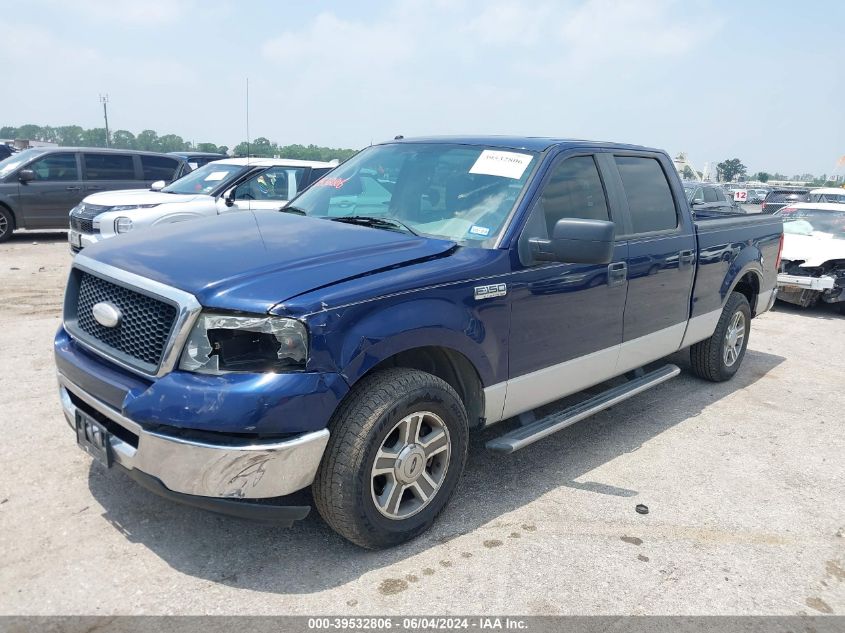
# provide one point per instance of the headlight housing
(130, 207)
(223, 343)
(122, 225)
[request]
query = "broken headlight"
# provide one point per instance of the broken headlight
(221, 343)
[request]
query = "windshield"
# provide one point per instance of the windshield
(828, 197)
(206, 179)
(8, 165)
(816, 222)
(456, 192)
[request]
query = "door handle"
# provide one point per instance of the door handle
(686, 257)
(617, 273)
(73, 188)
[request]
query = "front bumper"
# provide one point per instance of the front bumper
(807, 283)
(225, 471)
(79, 241)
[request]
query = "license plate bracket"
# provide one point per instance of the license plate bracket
(75, 239)
(94, 439)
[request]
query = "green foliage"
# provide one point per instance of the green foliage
(149, 140)
(730, 169)
(762, 176)
(688, 173)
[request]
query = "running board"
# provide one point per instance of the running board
(530, 433)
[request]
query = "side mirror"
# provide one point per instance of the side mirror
(158, 185)
(577, 241)
(26, 175)
(229, 197)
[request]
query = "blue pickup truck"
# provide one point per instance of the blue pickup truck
(424, 289)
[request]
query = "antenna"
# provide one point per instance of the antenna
(104, 99)
(247, 120)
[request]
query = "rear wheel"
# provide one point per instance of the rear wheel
(7, 224)
(718, 358)
(396, 452)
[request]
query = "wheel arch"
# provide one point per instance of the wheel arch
(448, 364)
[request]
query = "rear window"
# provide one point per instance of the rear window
(787, 196)
(649, 197)
(109, 167)
(159, 167)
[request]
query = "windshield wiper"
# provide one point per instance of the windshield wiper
(391, 224)
(294, 210)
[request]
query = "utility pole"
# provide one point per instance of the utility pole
(104, 99)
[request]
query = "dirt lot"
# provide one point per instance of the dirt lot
(745, 482)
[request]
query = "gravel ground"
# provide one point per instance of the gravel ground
(745, 482)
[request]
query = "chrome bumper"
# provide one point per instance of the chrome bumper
(256, 471)
(808, 283)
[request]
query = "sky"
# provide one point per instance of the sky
(760, 81)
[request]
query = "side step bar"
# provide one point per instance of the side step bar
(530, 433)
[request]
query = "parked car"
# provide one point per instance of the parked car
(704, 197)
(5, 151)
(828, 194)
(756, 196)
(784, 196)
(221, 186)
(813, 264)
(196, 160)
(424, 289)
(39, 186)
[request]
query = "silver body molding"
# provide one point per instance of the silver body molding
(529, 391)
(188, 311)
(255, 471)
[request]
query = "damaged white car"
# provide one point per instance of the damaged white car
(813, 259)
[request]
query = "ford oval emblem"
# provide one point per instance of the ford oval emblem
(107, 314)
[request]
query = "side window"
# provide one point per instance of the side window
(276, 183)
(109, 167)
(573, 190)
(698, 195)
(159, 167)
(318, 172)
(649, 196)
(720, 195)
(710, 195)
(57, 167)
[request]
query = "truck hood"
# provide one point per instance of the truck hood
(815, 250)
(138, 196)
(252, 260)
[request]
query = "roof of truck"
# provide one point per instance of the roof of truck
(531, 143)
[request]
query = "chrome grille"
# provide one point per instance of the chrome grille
(145, 325)
(82, 217)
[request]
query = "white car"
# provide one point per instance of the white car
(828, 194)
(232, 184)
(813, 257)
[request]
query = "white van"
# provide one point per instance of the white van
(232, 184)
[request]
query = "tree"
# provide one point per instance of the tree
(8, 131)
(208, 147)
(69, 135)
(123, 139)
(147, 140)
(171, 143)
(688, 173)
(762, 176)
(29, 131)
(730, 169)
(95, 137)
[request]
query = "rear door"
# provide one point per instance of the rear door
(108, 171)
(46, 201)
(661, 260)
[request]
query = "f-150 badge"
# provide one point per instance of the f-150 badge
(493, 290)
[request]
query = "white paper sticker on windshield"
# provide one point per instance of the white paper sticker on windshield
(217, 175)
(498, 163)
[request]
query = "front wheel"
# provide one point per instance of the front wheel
(397, 449)
(718, 358)
(7, 224)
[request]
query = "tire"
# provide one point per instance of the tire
(710, 359)
(376, 420)
(7, 224)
